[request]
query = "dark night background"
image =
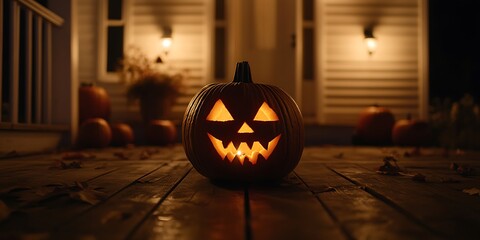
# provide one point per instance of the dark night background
(454, 39)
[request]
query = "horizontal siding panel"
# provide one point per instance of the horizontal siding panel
(391, 30)
(394, 75)
(371, 101)
(365, 92)
(180, 29)
(349, 19)
(372, 65)
(371, 3)
(372, 84)
(143, 10)
(359, 57)
(161, 20)
(368, 10)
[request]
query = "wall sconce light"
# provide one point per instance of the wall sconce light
(370, 40)
(167, 39)
(167, 42)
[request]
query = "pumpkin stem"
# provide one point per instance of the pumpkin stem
(242, 73)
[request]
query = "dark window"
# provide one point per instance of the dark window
(220, 10)
(308, 54)
(115, 47)
(220, 53)
(115, 9)
(308, 10)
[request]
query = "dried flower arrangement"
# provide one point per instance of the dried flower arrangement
(156, 90)
(456, 125)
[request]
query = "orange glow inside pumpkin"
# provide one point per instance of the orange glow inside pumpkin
(265, 113)
(221, 114)
(243, 150)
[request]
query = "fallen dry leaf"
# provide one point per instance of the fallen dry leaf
(463, 170)
(90, 196)
(419, 178)
(101, 166)
(144, 155)
(412, 153)
(122, 155)
(4, 211)
(81, 191)
(388, 168)
(449, 180)
(472, 191)
(325, 189)
(77, 156)
(115, 216)
(152, 151)
(59, 164)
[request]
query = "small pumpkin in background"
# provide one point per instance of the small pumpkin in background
(94, 133)
(243, 131)
(161, 132)
(94, 102)
(374, 126)
(411, 132)
(122, 134)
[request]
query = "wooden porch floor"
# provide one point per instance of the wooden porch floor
(334, 193)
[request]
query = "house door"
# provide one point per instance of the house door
(262, 33)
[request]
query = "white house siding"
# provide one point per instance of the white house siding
(393, 76)
(189, 20)
(87, 15)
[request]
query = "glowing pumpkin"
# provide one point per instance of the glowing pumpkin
(243, 131)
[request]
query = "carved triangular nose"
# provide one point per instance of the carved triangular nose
(245, 128)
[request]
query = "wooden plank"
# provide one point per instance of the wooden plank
(359, 213)
(116, 217)
(197, 209)
(421, 203)
(31, 217)
(434, 175)
(289, 211)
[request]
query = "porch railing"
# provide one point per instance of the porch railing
(26, 64)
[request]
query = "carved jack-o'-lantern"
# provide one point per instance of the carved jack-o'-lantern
(243, 131)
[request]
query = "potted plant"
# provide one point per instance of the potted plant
(155, 90)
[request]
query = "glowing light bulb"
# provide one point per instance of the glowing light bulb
(166, 42)
(239, 153)
(371, 44)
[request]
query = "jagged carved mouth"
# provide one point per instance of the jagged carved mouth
(244, 150)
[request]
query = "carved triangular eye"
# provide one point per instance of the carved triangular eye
(219, 113)
(265, 113)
